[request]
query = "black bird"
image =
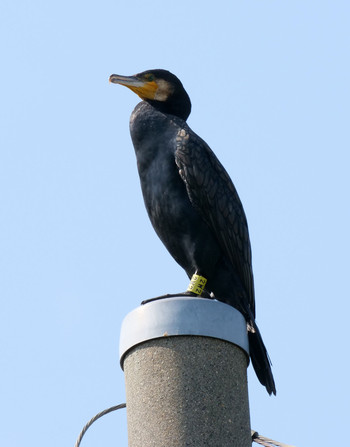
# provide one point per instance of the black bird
(192, 202)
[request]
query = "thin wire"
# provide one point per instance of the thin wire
(99, 415)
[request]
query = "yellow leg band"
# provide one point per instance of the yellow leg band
(197, 284)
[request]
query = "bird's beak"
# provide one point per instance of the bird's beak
(145, 89)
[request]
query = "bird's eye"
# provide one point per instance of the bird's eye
(149, 77)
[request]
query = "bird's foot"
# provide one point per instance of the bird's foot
(169, 295)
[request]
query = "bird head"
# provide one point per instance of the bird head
(160, 88)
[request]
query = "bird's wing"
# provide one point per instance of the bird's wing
(214, 196)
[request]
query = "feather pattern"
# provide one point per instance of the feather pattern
(215, 198)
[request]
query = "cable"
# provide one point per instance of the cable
(267, 442)
(262, 440)
(99, 415)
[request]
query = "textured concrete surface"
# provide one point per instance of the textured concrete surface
(187, 391)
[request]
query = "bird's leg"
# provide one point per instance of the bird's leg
(197, 284)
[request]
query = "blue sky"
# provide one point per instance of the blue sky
(269, 83)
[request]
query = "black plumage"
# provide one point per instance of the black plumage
(192, 202)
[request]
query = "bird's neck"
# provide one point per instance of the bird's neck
(179, 106)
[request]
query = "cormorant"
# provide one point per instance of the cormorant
(192, 202)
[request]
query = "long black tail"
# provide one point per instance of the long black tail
(260, 359)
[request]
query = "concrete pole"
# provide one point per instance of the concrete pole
(185, 363)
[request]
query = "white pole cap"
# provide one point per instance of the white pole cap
(169, 317)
